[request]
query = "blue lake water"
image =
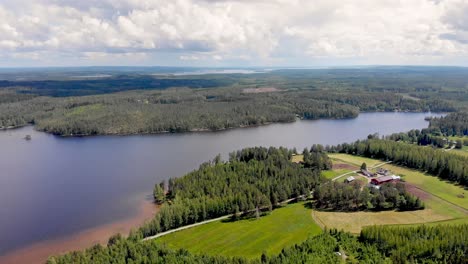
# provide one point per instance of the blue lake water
(51, 187)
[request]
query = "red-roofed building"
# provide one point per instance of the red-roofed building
(380, 180)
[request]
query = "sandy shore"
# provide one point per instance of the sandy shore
(39, 252)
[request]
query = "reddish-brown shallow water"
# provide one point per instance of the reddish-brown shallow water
(39, 252)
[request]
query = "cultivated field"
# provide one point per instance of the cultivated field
(249, 238)
(354, 222)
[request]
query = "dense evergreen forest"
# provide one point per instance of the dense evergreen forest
(422, 244)
(68, 106)
(446, 165)
(378, 244)
(454, 124)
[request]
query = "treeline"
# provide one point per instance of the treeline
(254, 179)
(377, 244)
(352, 197)
(422, 244)
(453, 124)
(443, 164)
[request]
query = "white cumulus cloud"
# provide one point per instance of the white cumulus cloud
(274, 32)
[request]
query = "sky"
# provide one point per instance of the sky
(237, 33)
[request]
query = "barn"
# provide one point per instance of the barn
(380, 180)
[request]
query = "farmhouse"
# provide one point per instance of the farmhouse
(383, 179)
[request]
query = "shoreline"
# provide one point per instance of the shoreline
(203, 130)
(39, 252)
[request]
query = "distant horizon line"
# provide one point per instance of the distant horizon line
(240, 67)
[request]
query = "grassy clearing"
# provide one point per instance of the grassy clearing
(297, 158)
(249, 238)
(330, 174)
(440, 207)
(354, 160)
(85, 109)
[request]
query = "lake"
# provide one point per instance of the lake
(53, 187)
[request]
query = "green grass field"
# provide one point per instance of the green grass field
(80, 110)
(249, 238)
(354, 160)
(330, 174)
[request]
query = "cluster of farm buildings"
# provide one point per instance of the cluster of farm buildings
(380, 177)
